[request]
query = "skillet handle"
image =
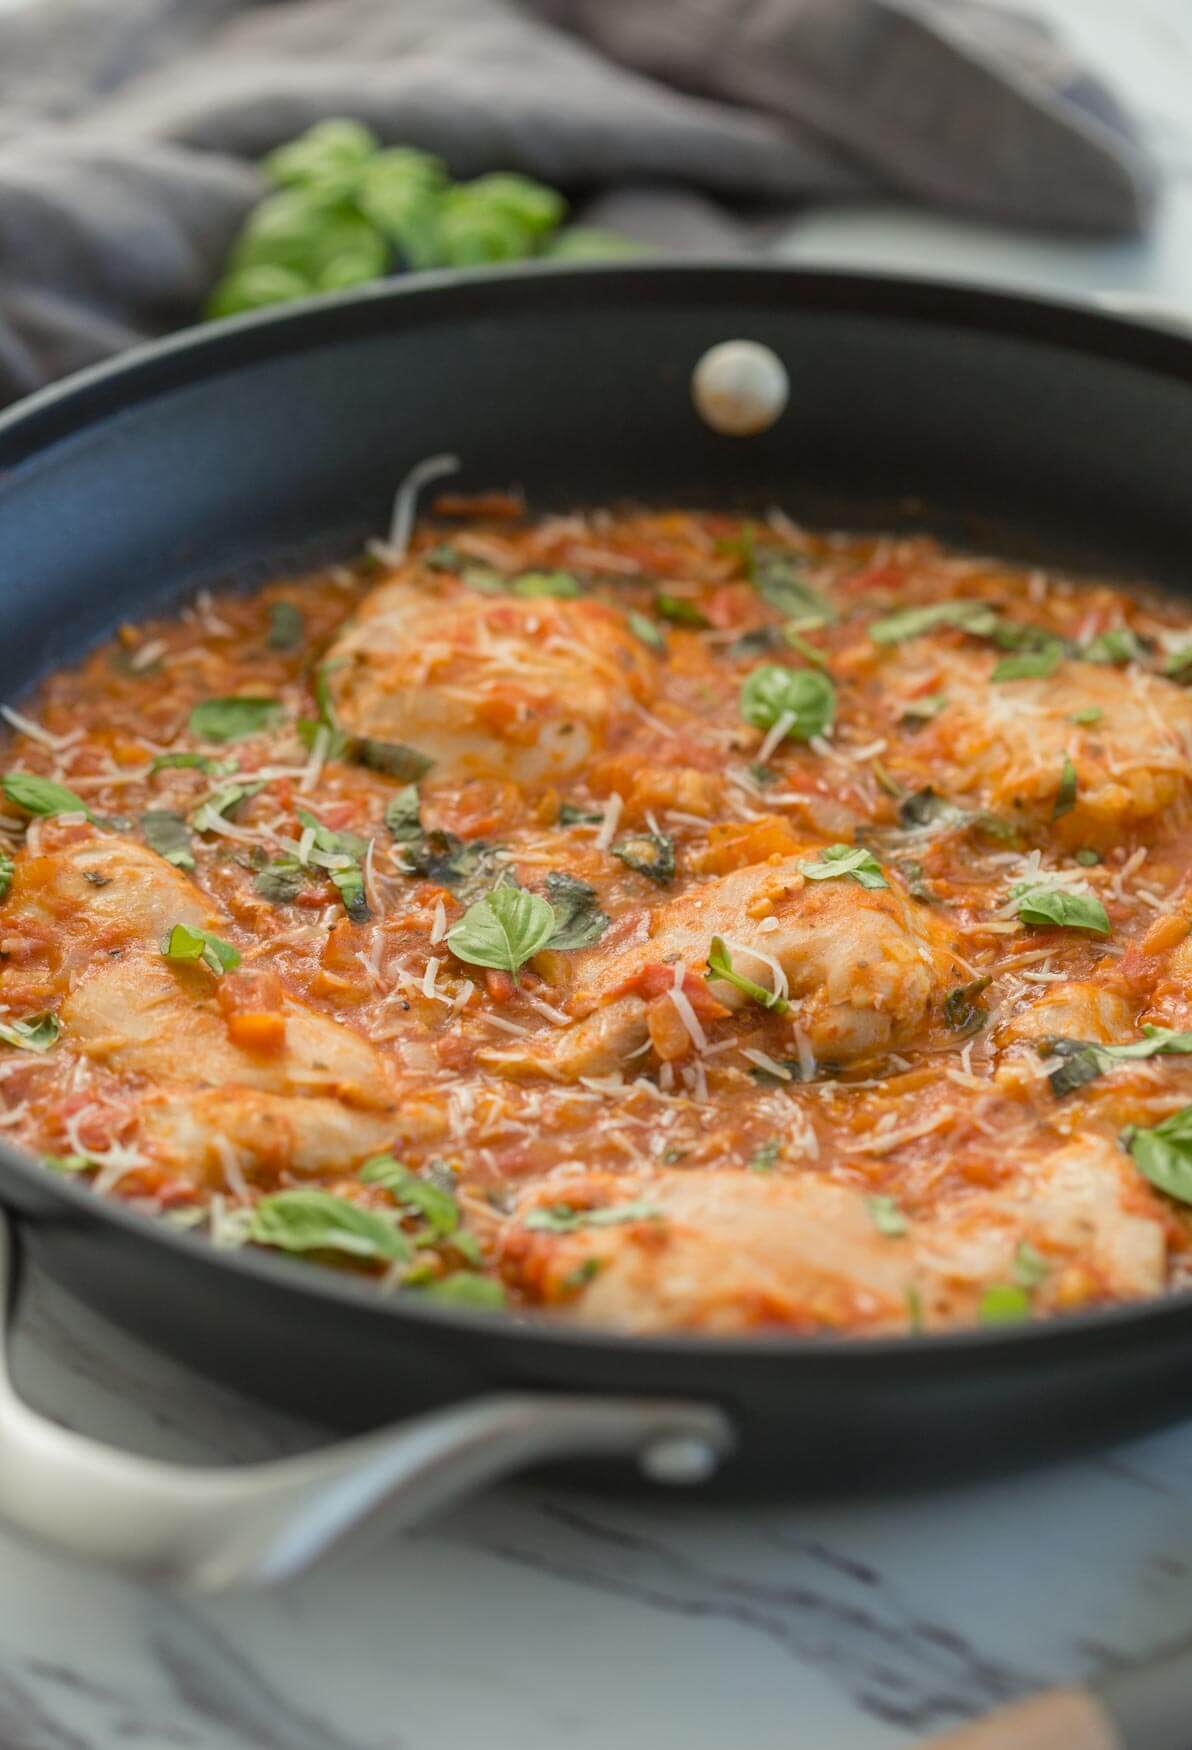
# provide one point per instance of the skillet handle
(212, 1528)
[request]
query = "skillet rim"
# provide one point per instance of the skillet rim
(65, 409)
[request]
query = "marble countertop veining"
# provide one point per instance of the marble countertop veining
(535, 1617)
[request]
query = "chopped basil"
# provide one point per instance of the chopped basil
(503, 930)
(758, 641)
(473, 573)
(1118, 645)
(579, 920)
(234, 718)
(349, 878)
(200, 762)
(1030, 665)
(679, 611)
(571, 815)
(851, 862)
(766, 1078)
(780, 578)
(720, 966)
(42, 796)
(1004, 1304)
(1053, 906)
(763, 775)
(6, 872)
(286, 626)
(921, 711)
(186, 944)
(1177, 665)
(408, 1188)
(916, 883)
(651, 854)
(74, 1163)
(1065, 796)
(1084, 1060)
(1030, 1267)
(646, 630)
(393, 758)
(35, 1033)
(968, 616)
(282, 880)
(1086, 857)
(803, 697)
(439, 855)
(1163, 1154)
(220, 803)
(1087, 715)
(403, 815)
(962, 1012)
(804, 646)
(166, 833)
(547, 583)
(888, 1218)
(466, 1288)
(581, 1275)
(560, 1218)
(319, 1221)
(765, 1155)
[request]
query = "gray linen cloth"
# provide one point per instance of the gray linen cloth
(128, 133)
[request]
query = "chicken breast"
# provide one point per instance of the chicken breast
(263, 1134)
(862, 968)
(514, 687)
(731, 1250)
(1075, 1009)
(1003, 744)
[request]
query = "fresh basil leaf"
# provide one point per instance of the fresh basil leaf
(961, 1009)
(925, 808)
(571, 815)
(853, 862)
(1087, 715)
(968, 616)
(764, 1157)
(42, 796)
(780, 578)
(561, 1218)
(679, 611)
(1118, 645)
(403, 815)
(651, 854)
(393, 758)
(579, 920)
(466, 1288)
(646, 630)
(1020, 635)
(319, 1221)
(921, 711)
(1004, 1304)
(414, 1192)
(186, 944)
(547, 583)
(503, 930)
(1065, 796)
(200, 762)
(220, 803)
(720, 966)
(888, 1218)
(233, 719)
(1084, 1060)
(7, 869)
(804, 696)
(166, 833)
(335, 844)
(1086, 857)
(1030, 665)
(281, 881)
(34, 1033)
(349, 883)
(1163, 1154)
(1048, 906)
(286, 626)
(1030, 1267)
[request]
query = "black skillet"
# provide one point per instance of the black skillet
(1010, 424)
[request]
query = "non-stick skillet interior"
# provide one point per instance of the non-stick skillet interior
(1001, 423)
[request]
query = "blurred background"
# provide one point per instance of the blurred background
(158, 165)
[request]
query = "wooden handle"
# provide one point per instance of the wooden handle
(1063, 1719)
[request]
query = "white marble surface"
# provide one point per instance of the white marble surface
(535, 1618)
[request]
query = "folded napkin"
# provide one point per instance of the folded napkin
(129, 134)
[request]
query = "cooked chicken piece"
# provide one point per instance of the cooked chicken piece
(1003, 744)
(264, 1134)
(1076, 1009)
(141, 1014)
(730, 1250)
(102, 894)
(863, 967)
(509, 687)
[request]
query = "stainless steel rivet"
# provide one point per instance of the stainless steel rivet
(740, 387)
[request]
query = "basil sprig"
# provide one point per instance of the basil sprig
(840, 862)
(720, 966)
(804, 695)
